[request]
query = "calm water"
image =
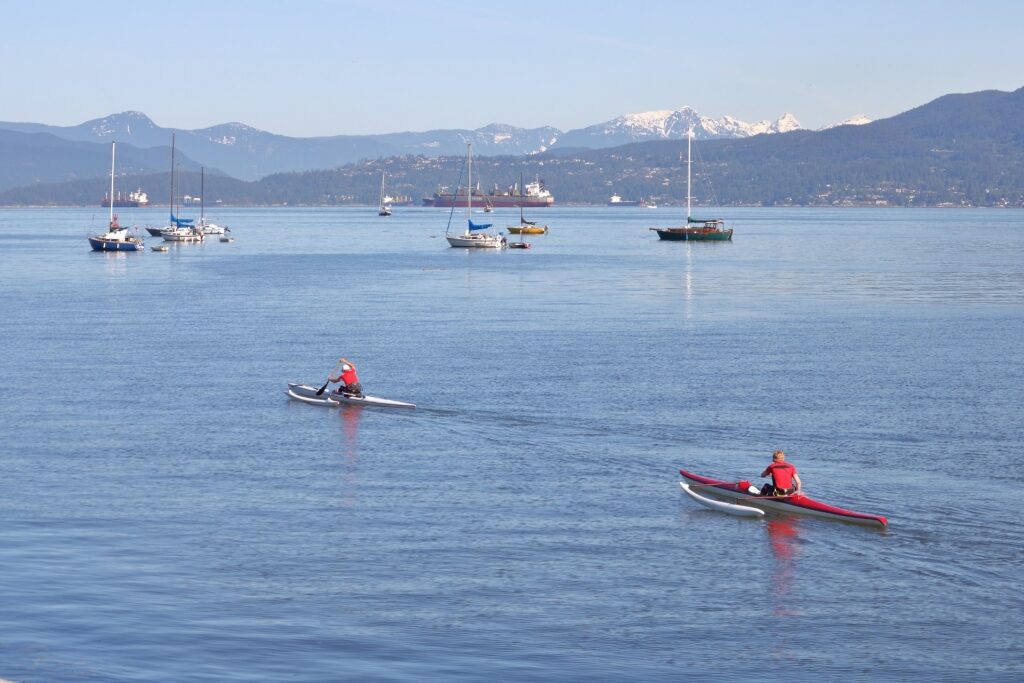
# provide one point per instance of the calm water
(168, 515)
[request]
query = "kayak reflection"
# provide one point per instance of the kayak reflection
(350, 416)
(784, 541)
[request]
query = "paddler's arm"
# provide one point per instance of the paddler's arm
(796, 478)
(767, 471)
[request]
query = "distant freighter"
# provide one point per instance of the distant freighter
(137, 198)
(534, 195)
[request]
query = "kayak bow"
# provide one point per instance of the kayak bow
(797, 504)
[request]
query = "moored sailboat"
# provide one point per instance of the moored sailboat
(383, 206)
(696, 229)
(474, 235)
(526, 227)
(206, 226)
(116, 238)
(180, 229)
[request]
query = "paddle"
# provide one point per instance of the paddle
(321, 389)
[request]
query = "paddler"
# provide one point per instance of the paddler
(785, 480)
(346, 375)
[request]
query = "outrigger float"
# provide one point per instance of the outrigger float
(741, 495)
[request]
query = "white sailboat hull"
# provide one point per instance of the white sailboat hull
(182, 235)
(477, 241)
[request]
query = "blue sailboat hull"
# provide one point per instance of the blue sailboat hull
(98, 244)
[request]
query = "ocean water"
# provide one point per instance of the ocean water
(169, 515)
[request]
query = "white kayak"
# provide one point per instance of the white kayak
(738, 510)
(305, 392)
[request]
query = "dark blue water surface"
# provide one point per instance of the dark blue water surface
(169, 515)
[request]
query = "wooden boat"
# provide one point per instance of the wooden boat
(739, 493)
(307, 393)
(474, 237)
(116, 238)
(696, 229)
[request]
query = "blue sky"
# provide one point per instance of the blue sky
(327, 68)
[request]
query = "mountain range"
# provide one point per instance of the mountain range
(248, 153)
(958, 150)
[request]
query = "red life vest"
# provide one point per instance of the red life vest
(782, 475)
(348, 374)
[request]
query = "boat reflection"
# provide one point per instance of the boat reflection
(784, 541)
(350, 416)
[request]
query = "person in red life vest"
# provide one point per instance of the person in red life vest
(346, 375)
(785, 480)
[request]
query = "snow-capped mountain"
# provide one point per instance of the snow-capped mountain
(855, 120)
(249, 153)
(668, 124)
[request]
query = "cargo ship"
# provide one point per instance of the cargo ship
(137, 198)
(534, 195)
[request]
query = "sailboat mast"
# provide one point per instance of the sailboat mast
(113, 150)
(521, 220)
(382, 189)
(202, 193)
(469, 182)
(689, 140)
(171, 202)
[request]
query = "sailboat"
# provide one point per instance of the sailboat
(180, 229)
(526, 227)
(116, 238)
(158, 232)
(696, 229)
(383, 208)
(473, 237)
(206, 226)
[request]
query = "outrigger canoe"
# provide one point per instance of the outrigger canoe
(307, 393)
(797, 504)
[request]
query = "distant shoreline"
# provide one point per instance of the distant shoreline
(662, 207)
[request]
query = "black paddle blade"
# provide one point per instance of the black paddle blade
(321, 389)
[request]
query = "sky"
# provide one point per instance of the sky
(309, 68)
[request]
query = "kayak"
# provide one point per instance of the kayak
(797, 504)
(305, 392)
(738, 510)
